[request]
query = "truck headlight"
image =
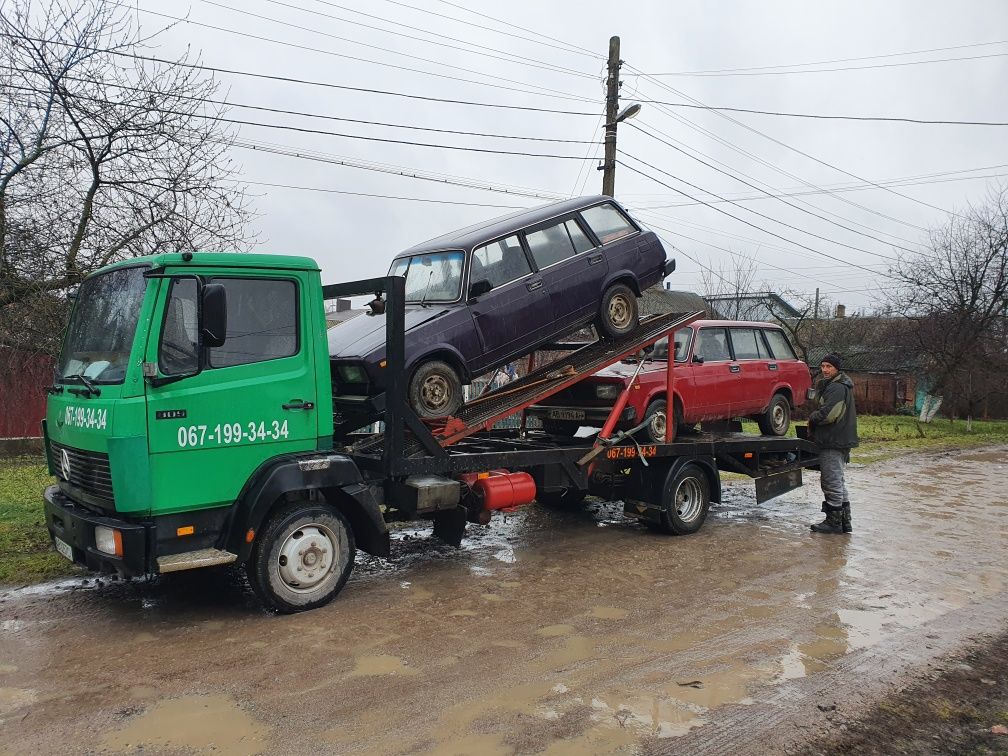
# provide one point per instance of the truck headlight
(108, 540)
(607, 391)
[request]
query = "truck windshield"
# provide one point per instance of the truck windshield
(100, 335)
(431, 277)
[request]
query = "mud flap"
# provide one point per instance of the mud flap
(450, 525)
(771, 486)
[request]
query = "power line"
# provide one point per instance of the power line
(486, 52)
(756, 158)
(837, 60)
(323, 132)
(932, 178)
(320, 157)
(325, 190)
(794, 149)
(844, 68)
(734, 217)
(313, 83)
(763, 215)
(281, 111)
(889, 119)
(553, 40)
(307, 48)
(780, 199)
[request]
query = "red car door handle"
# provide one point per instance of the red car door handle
(772, 366)
(734, 368)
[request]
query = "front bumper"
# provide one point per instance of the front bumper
(75, 526)
(594, 417)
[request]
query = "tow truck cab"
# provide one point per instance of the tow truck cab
(156, 426)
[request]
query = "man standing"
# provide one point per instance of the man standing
(833, 426)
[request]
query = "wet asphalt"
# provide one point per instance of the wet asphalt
(549, 631)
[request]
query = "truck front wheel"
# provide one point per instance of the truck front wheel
(302, 558)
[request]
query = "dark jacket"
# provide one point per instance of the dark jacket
(834, 421)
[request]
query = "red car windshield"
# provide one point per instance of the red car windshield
(682, 342)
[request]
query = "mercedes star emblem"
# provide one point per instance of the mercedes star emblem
(65, 465)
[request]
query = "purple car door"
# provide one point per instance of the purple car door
(515, 310)
(572, 269)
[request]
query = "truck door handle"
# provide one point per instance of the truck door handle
(772, 366)
(595, 259)
(533, 285)
(297, 404)
(734, 368)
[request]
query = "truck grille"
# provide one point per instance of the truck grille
(89, 471)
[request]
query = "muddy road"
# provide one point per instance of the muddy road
(548, 632)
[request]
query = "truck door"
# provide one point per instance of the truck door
(239, 404)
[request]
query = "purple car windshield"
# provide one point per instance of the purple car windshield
(431, 276)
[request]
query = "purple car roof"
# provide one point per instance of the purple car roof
(479, 233)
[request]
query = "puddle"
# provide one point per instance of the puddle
(383, 664)
(199, 723)
(554, 631)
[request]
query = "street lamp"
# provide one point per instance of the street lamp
(609, 166)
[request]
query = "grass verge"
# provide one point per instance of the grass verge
(26, 553)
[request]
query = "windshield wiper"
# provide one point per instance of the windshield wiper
(430, 280)
(88, 383)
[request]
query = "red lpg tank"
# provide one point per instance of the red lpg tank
(500, 489)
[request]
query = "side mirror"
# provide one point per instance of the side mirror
(698, 359)
(479, 288)
(214, 315)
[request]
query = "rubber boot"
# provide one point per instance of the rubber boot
(833, 524)
(845, 517)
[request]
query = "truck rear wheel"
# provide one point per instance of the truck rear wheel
(685, 501)
(302, 558)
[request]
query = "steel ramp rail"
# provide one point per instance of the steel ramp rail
(481, 413)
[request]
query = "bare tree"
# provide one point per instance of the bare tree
(956, 296)
(729, 289)
(104, 153)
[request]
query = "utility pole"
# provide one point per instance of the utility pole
(612, 106)
(816, 303)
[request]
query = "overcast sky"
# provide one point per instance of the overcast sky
(463, 53)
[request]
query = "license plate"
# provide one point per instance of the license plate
(566, 414)
(63, 548)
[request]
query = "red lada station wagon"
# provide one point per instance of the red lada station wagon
(723, 369)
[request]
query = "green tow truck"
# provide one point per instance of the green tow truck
(192, 423)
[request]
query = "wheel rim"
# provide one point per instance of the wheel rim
(689, 499)
(620, 311)
(658, 426)
(778, 417)
(307, 557)
(435, 392)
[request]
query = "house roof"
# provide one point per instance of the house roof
(765, 305)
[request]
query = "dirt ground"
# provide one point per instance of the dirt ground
(559, 633)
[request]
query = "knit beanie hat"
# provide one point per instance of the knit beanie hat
(834, 359)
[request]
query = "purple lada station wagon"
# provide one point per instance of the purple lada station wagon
(482, 296)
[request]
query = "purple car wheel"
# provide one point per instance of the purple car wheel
(618, 314)
(435, 390)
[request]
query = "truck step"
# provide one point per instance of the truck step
(190, 560)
